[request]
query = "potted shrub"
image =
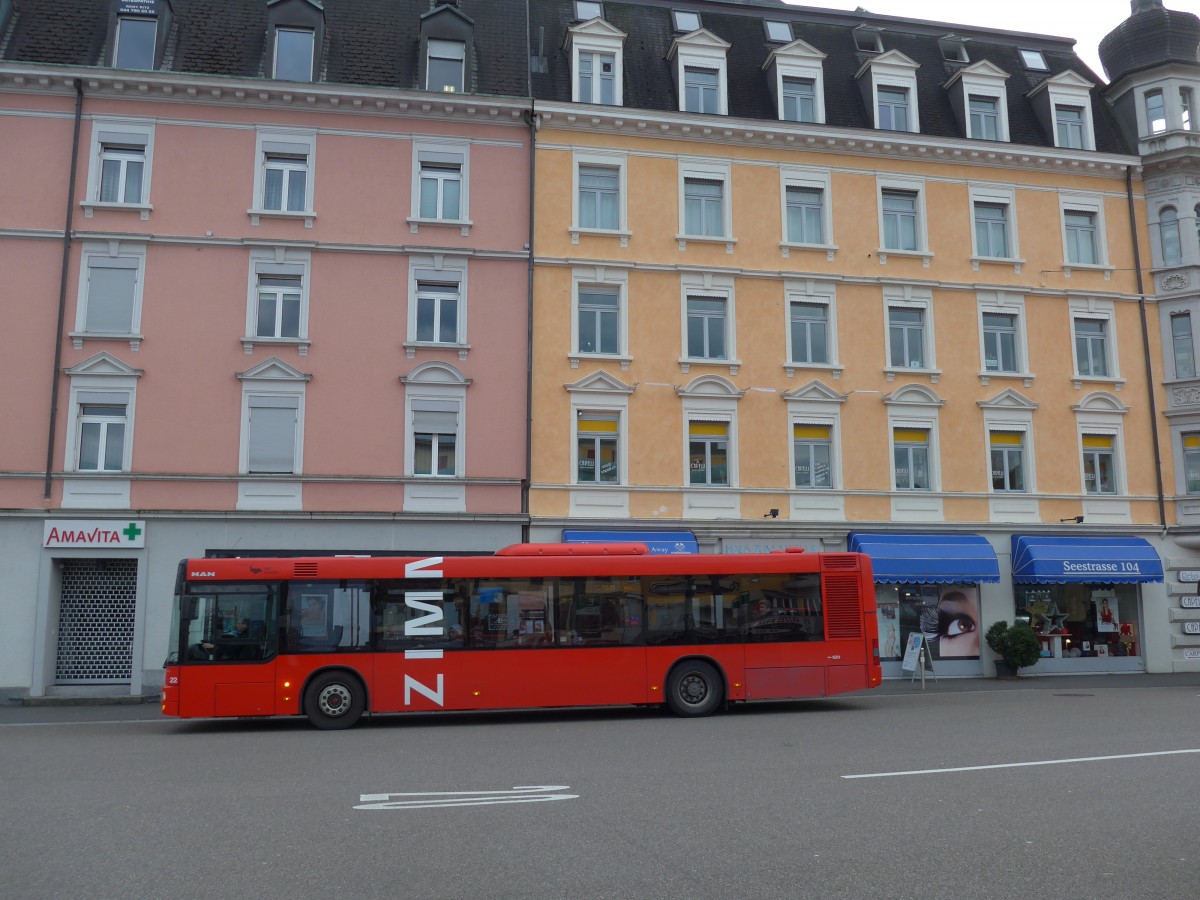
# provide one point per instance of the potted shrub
(1016, 646)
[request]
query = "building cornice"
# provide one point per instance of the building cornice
(780, 135)
(218, 90)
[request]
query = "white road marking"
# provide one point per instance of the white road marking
(437, 799)
(1019, 765)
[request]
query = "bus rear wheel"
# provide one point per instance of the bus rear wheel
(334, 700)
(694, 688)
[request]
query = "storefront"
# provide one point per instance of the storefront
(1082, 597)
(928, 585)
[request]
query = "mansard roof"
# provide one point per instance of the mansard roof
(366, 42)
(648, 83)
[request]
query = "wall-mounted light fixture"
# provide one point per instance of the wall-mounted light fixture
(772, 514)
(1078, 520)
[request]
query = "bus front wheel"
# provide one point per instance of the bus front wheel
(694, 688)
(334, 700)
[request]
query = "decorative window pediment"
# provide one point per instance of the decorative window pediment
(599, 382)
(913, 395)
(814, 392)
(274, 369)
(103, 364)
(435, 373)
(1101, 402)
(709, 386)
(1008, 399)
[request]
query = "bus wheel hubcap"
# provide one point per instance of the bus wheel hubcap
(693, 689)
(334, 700)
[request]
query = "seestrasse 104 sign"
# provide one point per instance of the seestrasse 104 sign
(109, 534)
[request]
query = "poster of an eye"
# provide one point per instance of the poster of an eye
(947, 615)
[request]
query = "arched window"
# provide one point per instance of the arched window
(1168, 233)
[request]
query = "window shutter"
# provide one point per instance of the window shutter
(272, 442)
(110, 300)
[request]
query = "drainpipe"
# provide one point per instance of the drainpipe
(62, 293)
(531, 118)
(1137, 267)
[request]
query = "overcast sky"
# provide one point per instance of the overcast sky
(1087, 21)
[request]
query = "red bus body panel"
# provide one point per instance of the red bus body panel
(468, 679)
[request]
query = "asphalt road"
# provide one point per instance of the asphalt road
(1061, 789)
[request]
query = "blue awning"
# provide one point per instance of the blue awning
(928, 558)
(655, 541)
(1059, 559)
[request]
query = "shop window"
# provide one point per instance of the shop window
(945, 615)
(1076, 621)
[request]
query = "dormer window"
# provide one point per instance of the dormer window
(296, 31)
(586, 10)
(1063, 104)
(293, 54)
(980, 100)
(1034, 59)
(778, 32)
(596, 62)
(138, 32)
(867, 39)
(444, 71)
(889, 86)
(698, 65)
(796, 82)
(135, 42)
(954, 48)
(685, 22)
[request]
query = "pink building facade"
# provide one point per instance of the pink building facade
(244, 314)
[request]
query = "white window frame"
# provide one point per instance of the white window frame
(801, 61)
(1026, 457)
(714, 287)
(422, 399)
(275, 391)
(706, 170)
(916, 298)
(594, 37)
(932, 457)
(895, 71)
(1162, 100)
(607, 160)
(283, 143)
(278, 262)
(816, 293)
(1103, 311)
(1160, 226)
(1002, 303)
(727, 417)
(604, 410)
(1066, 89)
(1168, 317)
(996, 195)
(700, 50)
(444, 153)
(442, 270)
(910, 186)
(312, 56)
(1101, 414)
(108, 133)
(103, 388)
(439, 384)
(603, 278)
(807, 179)
(807, 421)
(1118, 467)
(985, 81)
(110, 255)
(1085, 203)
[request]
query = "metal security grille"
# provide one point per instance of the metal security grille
(95, 621)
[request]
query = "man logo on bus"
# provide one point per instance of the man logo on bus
(431, 624)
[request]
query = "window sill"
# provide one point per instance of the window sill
(90, 206)
(686, 363)
(986, 376)
(892, 371)
(833, 368)
(1088, 267)
(78, 337)
(977, 261)
(704, 239)
(600, 232)
(924, 255)
(1079, 381)
(576, 358)
(464, 225)
(301, 344)
(411, 348)
(830, 250)
(257, 215)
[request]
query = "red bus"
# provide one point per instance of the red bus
(535, 625)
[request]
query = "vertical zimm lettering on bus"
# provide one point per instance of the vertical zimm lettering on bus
(432, 624)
